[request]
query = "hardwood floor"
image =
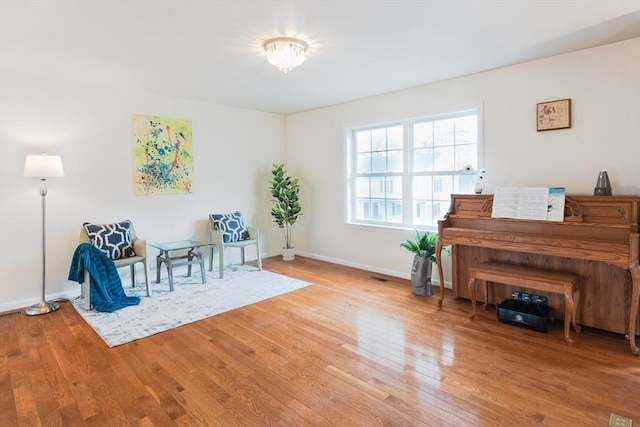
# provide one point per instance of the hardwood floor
(349, 350)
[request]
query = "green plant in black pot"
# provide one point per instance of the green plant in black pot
(423, 246)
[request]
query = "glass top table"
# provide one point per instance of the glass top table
(179, 245)
(192, 256)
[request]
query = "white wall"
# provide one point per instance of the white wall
(603, 84)
(90, 127)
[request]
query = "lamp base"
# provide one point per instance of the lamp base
(43, 307)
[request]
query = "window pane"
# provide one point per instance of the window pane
(444, 159)
(466, 129)
(362, 199)
(423, 160)
(363, 140)
(379, 139)
(464, 184)
(423, 135)
(394, 188)
(443, 132)
(379, 162)
(440, 208)
(422, 194)
(395, 161)
(377, 186)
(363, 188)
(466, 155)
(364, 163)
(422, 187)
(443, 187)
(394, 138)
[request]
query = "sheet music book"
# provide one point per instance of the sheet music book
(536, 203)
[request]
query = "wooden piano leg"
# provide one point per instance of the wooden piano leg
(472, 294)
(486, 295)
(439, 264)
(576, 303)
(633, 317)
(568, 313)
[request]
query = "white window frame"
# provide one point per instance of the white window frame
(409, 205)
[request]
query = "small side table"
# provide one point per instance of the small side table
(193, 256)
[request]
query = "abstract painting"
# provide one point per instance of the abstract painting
(162, 155)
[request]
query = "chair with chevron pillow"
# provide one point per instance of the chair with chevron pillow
(230, 231)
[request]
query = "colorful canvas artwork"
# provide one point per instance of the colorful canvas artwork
(162, 155)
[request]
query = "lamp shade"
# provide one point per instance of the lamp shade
(43, 166)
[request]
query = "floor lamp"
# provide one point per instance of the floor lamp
(43, 166)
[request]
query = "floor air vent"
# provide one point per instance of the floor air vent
(378, 279)
(9, 314)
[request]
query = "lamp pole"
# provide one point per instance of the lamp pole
(42, 166)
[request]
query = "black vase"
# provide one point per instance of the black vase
(421, 276)
(603, 186)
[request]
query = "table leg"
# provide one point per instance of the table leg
(169, 272)
(201, 258)
(189, 259)
(158, 265)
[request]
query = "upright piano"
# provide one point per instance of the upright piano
(598, 241)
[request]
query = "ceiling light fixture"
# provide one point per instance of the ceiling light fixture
(285, 52)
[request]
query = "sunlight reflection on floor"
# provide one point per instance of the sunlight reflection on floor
(381, 338)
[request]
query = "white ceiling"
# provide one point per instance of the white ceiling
(210, 50)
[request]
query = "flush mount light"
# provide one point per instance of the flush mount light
(285, 52)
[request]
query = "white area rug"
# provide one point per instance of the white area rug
(190, 301)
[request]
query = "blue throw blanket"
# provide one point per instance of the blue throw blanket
(106, 287)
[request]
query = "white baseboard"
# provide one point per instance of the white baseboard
(15, 305)
(373, 269)
(22, 304)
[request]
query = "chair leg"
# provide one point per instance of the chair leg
(258, 254)
(221, 261)
(242, 255)
(146, 277)
(86, 291)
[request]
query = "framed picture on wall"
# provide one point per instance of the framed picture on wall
(554, 115)
(162, 155)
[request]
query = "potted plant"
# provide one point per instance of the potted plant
(423, 246)
(286, 207)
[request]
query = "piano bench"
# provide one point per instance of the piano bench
(533, 278)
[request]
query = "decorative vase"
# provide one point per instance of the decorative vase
(288, 254)
(421, 276)
(478, 187)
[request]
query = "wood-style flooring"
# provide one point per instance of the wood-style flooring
(349, 350)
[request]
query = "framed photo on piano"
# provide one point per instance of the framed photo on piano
(554, 115)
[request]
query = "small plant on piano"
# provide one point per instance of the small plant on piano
(423, 246)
